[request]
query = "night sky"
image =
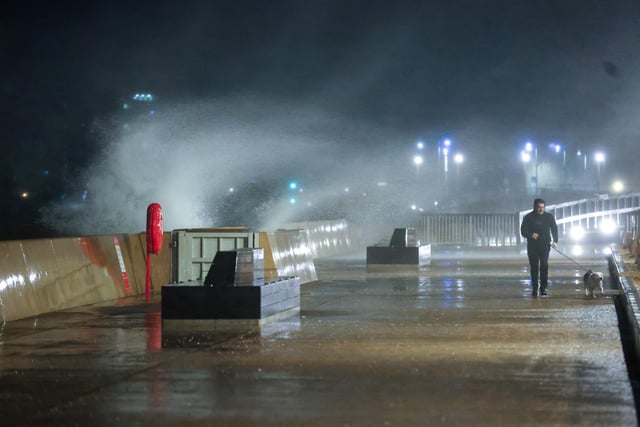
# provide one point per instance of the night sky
(491, 73)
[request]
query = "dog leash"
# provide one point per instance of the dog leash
(570, 259)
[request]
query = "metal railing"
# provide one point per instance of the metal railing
(504, 229)
(470, 229)
(620, 210)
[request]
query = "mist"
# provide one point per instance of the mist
(229, 162)
(365, 95)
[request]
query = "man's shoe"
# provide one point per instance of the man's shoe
(543, 293)
(534, 293)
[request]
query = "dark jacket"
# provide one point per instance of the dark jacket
(545, 225)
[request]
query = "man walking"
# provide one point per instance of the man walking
(541, 231)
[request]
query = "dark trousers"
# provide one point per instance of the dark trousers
(539, 262)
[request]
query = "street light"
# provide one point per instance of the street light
(579, 153)
(445, 151)
(559, 148)
(599, 157)
(418, 160)
(443, 148)
(525, 157)
(458, 158)
(617, 187)
(531, 149)
(443, 145)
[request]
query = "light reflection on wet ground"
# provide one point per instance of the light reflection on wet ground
(457, 342)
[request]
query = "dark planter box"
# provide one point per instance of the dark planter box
(230, 302)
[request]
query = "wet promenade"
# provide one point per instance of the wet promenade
(458, 343)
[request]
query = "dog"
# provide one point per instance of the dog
(593, 280)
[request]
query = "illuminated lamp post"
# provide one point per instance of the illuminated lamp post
(532, 148)
(600, 158)
(458, 159)
(579, 154)
(617, 186)
(530, 154)
(525, 157)
(559, 148)
(418, 160)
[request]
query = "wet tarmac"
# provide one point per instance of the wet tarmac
(460, 342)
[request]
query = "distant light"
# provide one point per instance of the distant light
(45, 172)
(231, 189)
(528, 146)
(414, 207)
(577, 233)
(555, 147)
(525, 157)
(435, 203)
(599, 157)
(418, 160)
(293, 185)
(420, 145)
(579, 153)
(346, 189)
(608, 227)
(447, 142)
(143, 97)
(152, 112)
(445, 151)
(25, 195)
(292, 200)
(458, 158)
(617, 187)
(577, 250)
(381, 184)
(125, 106)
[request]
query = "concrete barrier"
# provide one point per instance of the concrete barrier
(290, 251)
(327, 238)
(287, 253)
(43, 275)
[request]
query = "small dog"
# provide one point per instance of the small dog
(591, 282)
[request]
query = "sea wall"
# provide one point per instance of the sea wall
(43, 275)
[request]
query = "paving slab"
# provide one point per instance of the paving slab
(459, 342)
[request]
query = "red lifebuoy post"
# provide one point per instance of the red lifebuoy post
(154, 240)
